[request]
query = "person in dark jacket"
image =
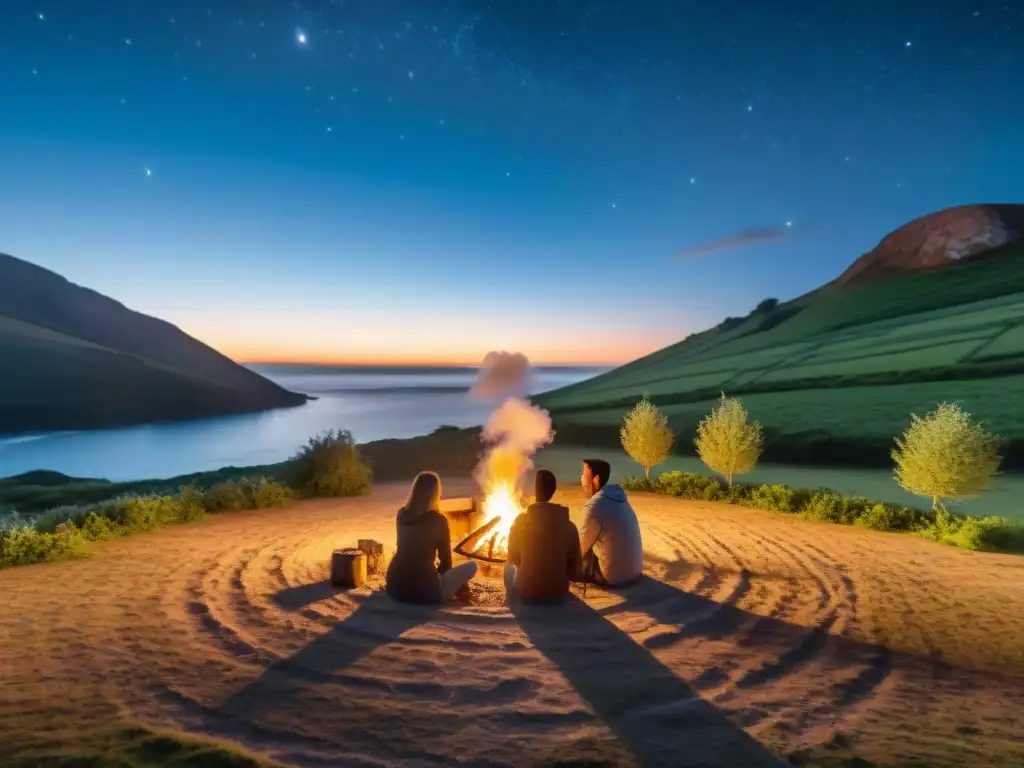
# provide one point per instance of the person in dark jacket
(423, 539)
(543, 547)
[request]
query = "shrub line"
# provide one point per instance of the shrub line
(990, 534)
(329, 464)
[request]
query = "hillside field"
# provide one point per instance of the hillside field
(834, 376)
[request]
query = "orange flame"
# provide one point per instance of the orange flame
(502, 471)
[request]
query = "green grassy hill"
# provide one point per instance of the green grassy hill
(71, 358)
(834, 375)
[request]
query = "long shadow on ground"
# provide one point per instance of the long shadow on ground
(297, 598)
(786, 646)
(657, 716)
(660, 718)
(375, 623)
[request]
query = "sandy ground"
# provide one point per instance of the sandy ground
(755, 636)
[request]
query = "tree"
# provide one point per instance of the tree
(946, 455)
(726, 442)
(646, 435)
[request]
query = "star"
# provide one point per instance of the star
(750, 107)
(301, 38)
(789, 223)
(693, 180)
(615, 205)
(908, 44)
(42, 17)
(412, 74)
(149, 171)
(127, 41)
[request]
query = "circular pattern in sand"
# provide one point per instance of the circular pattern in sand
(751, 636)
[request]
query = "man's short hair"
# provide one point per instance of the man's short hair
(601, 469)
(545, 485)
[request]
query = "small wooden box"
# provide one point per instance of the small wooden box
(348, 568)
(374, 552)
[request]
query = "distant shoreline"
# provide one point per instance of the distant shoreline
(87, 425)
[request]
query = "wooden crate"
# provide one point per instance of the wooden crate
(348, 568)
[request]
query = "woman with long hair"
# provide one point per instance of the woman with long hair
(421, 571)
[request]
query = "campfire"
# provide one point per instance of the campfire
(489, 542)
(513, 433)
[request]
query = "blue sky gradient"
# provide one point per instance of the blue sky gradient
(402, 181)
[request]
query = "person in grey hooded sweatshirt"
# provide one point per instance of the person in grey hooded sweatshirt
(613, 552)
(423, 539)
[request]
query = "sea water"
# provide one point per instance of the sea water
(372, 403)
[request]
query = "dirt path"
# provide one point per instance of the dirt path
(756, 635)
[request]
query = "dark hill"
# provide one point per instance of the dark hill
(72, 358)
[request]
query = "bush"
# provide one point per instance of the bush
(946, 455)
(246, 493)
(823, 505)
(777, 498)
(22, 544)
(268, 494)
(726, 442)
(225, 497)
(646, 435)
(330, 465)
(61, 532)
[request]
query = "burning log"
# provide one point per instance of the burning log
(480, 544)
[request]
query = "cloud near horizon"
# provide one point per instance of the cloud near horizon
(742, 239)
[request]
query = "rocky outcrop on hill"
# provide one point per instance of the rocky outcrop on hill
(939, 240)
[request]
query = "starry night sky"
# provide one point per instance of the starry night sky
(371, 180)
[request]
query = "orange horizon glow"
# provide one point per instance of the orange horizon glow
(434, 358)
(315, 341)
(418, 362)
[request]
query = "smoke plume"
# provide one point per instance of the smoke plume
(516, 429)
(502, 374)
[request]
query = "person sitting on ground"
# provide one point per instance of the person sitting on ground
(543, 547)
(423, 538)
(613, 553)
